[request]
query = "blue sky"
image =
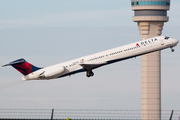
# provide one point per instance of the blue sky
(48, 32)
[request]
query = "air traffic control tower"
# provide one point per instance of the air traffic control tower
(150, 16)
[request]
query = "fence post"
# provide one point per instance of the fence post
(171, 115)
(52, 114)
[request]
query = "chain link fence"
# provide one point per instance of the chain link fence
(80, 114)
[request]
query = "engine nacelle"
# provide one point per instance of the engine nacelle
(52, 73)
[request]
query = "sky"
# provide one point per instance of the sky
(49, 32)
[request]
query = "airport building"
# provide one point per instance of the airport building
(150, 16)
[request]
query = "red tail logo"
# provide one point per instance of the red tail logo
(22, 66)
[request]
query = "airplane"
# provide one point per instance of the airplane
(90, 62)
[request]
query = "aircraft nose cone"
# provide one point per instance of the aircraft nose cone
(176, 41)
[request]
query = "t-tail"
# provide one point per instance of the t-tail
(23, 66)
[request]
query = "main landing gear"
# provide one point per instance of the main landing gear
(89, 73)
(172, 50)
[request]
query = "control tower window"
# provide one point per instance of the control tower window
(142, 2)
(167, 3)
(146, 2)
(149, 3)
(156, 3)
(161, 3)
(152, 2)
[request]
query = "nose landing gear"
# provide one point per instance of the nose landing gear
(89, 73)
(172, 50)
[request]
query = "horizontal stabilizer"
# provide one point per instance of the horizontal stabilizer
(19, 61)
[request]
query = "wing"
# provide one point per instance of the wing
(92, 65)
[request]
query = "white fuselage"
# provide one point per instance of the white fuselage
(93, 61)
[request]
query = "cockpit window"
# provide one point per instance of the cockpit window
(166, 38)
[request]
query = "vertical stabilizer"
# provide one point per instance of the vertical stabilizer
(23, 66)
